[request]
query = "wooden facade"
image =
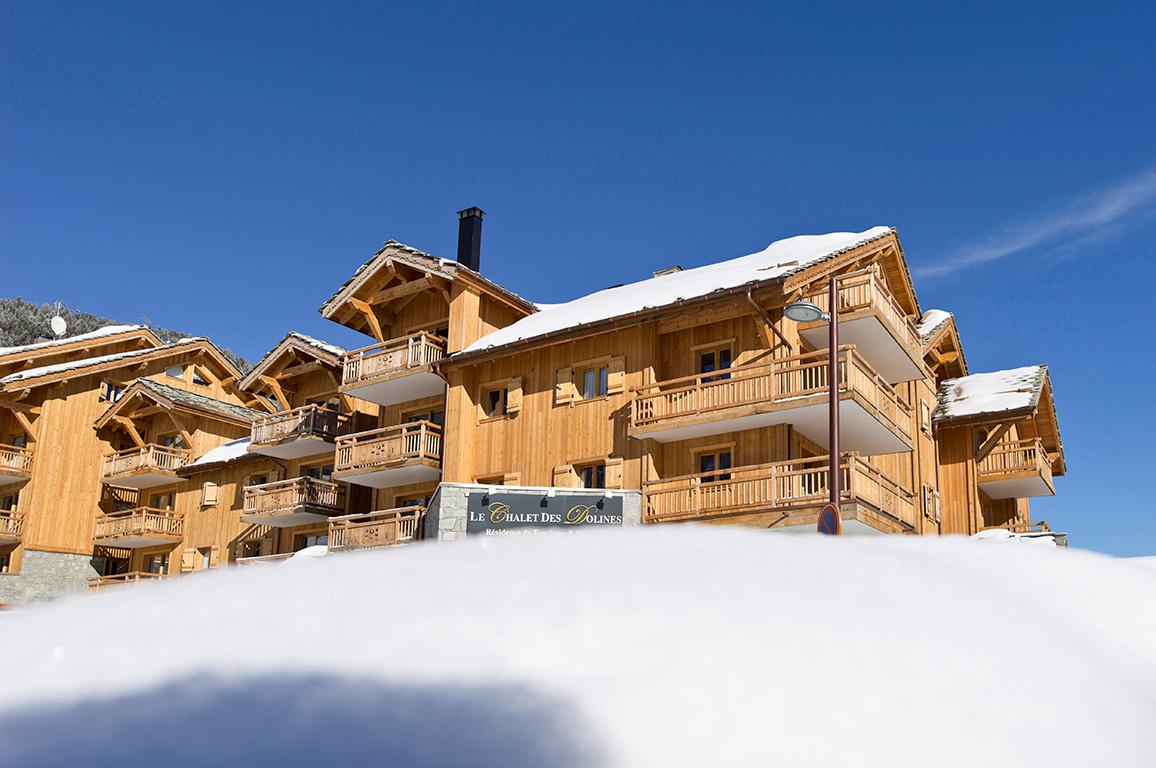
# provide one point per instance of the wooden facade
(157, 460)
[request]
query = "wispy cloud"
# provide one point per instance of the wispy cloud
(1081, 218)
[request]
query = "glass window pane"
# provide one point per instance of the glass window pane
(706, 362)
(588, 383)
(603, 373)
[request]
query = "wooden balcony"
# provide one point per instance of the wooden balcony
(294, 434)
(263, 559)
(1016, 469)
(783, 494)
(140, 527)
(398, 455)
(292, 502)
(11, 527)
(146, 467)
(387, 528)
(134, 577)
(396, 370)
(789, 390)
(15, 464)
(871, 319)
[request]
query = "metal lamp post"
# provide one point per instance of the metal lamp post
(830, 519)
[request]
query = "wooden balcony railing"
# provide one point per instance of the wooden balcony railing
(307, 421)
(777, 382)
(11, 525)
(390, 446)
(15, 461)
(1040, 526)
(866, 291)
(151, 457)
(1015, 457)
(263, 559)
(297, 493)
(132, 577)
(139, 522)
(376, 529)
(392, 357)
(780, 485)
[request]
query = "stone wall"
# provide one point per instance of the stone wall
(446, 518)
(45, 575)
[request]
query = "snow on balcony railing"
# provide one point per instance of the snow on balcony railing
(307, 421)
(376, 529)
(779, 381)
(780, 485)
(391, 357)
(158, 458)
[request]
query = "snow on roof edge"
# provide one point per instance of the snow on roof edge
(108, 330)
(47, 370)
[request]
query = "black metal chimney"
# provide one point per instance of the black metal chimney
(470, 237)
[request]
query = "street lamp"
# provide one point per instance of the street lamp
(830, 519)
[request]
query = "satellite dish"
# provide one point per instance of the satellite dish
(59, 325)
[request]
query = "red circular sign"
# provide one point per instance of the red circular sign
(829, 520)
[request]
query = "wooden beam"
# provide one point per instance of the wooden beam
(301, 368)
(993, 439)
(386, 295)
(25, 423)
(180, 428)
(128, 426)
(370, 317)
(278, 393)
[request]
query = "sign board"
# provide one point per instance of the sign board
(830, 521)
(504, 513)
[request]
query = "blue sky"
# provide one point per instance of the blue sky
(221, 170)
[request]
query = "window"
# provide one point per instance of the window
(310, 540)
(437, 417)
(110, 391)
(592, 476)
(495, 402)
(156, 563)
(209, 492)
(18, 441)
(251, 548)
(162, 501)
(172, 441)
(5, 562)
(324, 472)
(8, 503)
(711, 465)
(594, 383)
(718, 359)
(204, 558)
(175, 372)
(411, 501)
(199, 379)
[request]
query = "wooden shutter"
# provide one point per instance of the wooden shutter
(565, 476)
(514, 395)
(209, 493)
(616, 375)
(614, 473)
(564, 390)
(512, 478)
(188, 560)
(214, 556)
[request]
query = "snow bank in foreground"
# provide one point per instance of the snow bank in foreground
(680, 646)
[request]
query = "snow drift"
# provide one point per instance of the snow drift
(677, 646)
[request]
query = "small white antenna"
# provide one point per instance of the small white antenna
(59, 326)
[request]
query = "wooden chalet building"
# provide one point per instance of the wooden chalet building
(690, 393)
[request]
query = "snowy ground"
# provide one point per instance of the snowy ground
(676, 646)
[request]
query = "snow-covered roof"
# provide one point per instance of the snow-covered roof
(931, 321)
(71, 365)
(108, 330)
(399, 251)
(983, 394)
(230, 451)
(293, 339)
(778, 260)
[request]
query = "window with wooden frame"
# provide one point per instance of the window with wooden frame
(155, 563)
(199, 378)
(175, 372)
(499, 399)
(439, 328)
(322, 472)
(590, 380)
(437, 416)
(713, 464)
(304, 540)
(251, 548)
(8, 502)
(6, 562)
(161, 501)
(172, 440)
(409, 500)
(714, 357)
(110, 391)
(591, 475)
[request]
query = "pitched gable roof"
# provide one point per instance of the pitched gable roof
(777, 261)
(329, 354)
(85, 366)
(99, 333)
(199, 402)
(1000, 394)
